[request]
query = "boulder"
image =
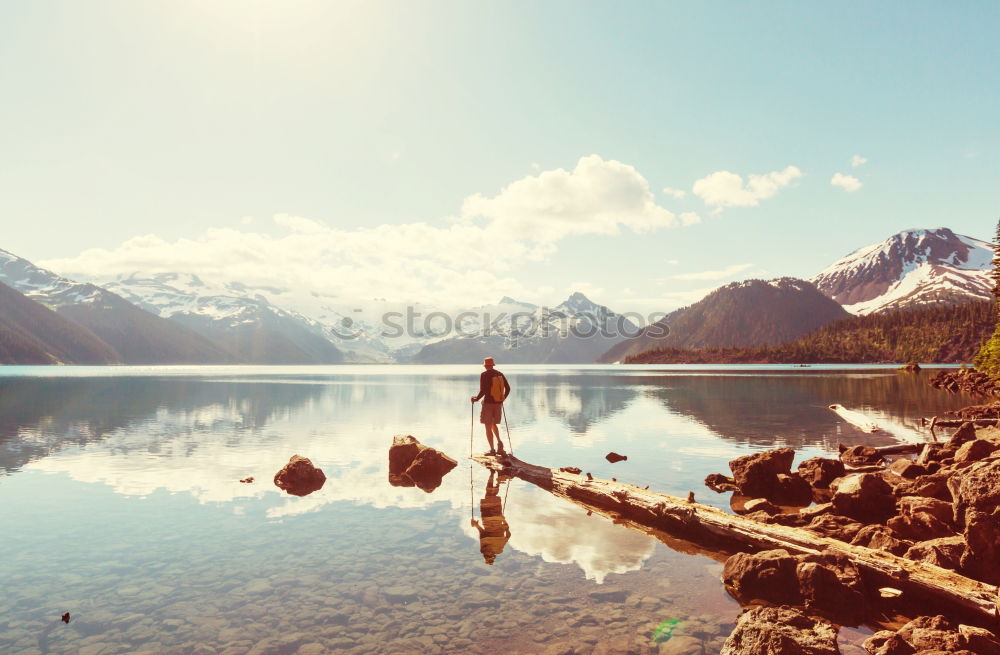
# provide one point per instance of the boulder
(781, 631)
(973, 451)
(979, 640)
(299, 477)
(863, 496)
(928, 486)
(429, 468)
(832, 585)
(756, 475)
(932, 633)
(879, 537)
(966, 432)
(906, 468)
(981, 558)
(945, 552)
(790, 489)
(887, 642)
(768, 575)
(860, 456)
(403, 451)
(976, 491)
(820, 471)
(919, 526)
(939, 509)
(412, 464)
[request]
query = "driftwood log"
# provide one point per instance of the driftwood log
(705, 529)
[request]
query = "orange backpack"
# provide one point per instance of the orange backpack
(496, 388)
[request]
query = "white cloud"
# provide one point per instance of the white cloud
(725, 189)
(596, 197)
(676, 193)
(858, 160)
(672, 262)
(720, 274)
(848, 183)
(449, 263)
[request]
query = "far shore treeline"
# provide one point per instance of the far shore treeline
(941, 334)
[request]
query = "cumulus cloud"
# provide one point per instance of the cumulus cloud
(858, 160)
(449, 263)
(720, 274)
(725, 189)
(596, 197)
(848, 183)
(676, 193)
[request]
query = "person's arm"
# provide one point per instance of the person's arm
(482, 387)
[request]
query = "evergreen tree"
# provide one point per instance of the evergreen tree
(988, 359)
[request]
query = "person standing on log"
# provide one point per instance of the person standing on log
(493, 389)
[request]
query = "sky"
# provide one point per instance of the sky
(452, 152)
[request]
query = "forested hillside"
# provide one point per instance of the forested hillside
(934, 334)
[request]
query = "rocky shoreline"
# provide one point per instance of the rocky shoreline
(939, 507)
(967, 380)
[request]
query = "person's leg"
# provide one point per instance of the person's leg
(496, 433)
(489, 435)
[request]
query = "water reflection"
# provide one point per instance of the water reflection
(189, 558)
(494, 533)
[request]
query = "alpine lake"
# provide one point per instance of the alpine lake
(121, 503)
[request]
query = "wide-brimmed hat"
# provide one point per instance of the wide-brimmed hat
(489, 362)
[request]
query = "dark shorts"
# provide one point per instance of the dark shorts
(490, 414)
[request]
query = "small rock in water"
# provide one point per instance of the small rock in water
(614, 457)
(299, 477)
(65, 617)
(248, 480)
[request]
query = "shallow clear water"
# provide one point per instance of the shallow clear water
(121, 503)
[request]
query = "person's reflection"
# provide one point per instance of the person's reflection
(494, 532)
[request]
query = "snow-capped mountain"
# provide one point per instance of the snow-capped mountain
(911, 268)
(45, 286)
(576, 331)
(136, 336)
(243, 322)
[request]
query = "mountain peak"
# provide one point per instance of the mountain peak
(577, 302)
(910, 268)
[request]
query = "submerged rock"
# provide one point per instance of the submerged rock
(781, 631)
(860, 455)
(299, 477)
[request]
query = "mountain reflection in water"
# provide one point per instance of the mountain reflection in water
(142, 474)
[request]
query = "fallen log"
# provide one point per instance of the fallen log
(709, 528)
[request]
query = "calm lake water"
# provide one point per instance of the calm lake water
(121, 503)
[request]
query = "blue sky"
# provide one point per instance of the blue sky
(137, 133)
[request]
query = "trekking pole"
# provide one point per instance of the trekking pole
(511, 443)
(472, 496)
